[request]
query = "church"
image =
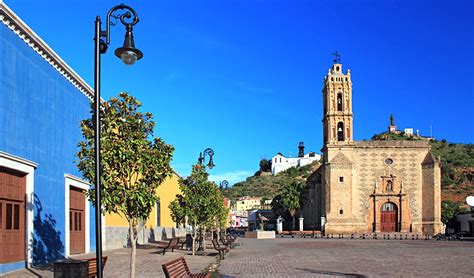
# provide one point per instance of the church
(370, 186)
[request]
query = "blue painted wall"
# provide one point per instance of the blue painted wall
(40, 113)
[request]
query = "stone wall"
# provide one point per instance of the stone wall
(117, 237)
(406, 167)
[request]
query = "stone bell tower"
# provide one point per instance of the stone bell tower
(338, 151)
(337, 101)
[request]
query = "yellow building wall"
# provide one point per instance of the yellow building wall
(167, 192)
(248, 204)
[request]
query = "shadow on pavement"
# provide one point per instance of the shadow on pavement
(332, 273)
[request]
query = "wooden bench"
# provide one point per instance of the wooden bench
(226, 243)
(230, 238)
(182, 241)
(172, 244)
(220, 249)
(92, 266)
(179, 268)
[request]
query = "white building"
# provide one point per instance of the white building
(409, 131)
(281, 163)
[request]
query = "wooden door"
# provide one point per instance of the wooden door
(12, 216)
(77, 235)
(388, 218)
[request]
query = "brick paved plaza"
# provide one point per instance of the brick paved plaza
(307, 257)
(292, 257)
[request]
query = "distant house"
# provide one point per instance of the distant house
(281, 163)
(245, 203)
(238, 220)
(465, 222)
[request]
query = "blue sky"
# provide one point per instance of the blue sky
(245, 77)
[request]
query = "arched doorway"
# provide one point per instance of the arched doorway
(388, 217)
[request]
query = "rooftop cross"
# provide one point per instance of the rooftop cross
(337, 57)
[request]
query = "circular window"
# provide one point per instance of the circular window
(388, 161)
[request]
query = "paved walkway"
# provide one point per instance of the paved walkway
(292, 257)
(148, 263)
(306, 257)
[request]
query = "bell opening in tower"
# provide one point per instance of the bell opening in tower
(340, 131)
(339, 102)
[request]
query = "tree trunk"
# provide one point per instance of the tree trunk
(194, 238)
(204, 239)
(133, 255)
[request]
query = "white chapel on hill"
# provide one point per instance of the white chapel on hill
(281, 163)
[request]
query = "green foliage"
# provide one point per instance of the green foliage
(291, 196)
(265, 165)
(289, 199)
(449, 210)
(456, 160)
(200, 201)
(393, 136)
(133, 165)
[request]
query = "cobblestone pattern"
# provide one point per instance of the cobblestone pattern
(291, 257)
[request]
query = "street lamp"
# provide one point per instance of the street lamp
(223, 184)
(202, 157)
(129, 55)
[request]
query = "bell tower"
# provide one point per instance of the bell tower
(337, 101)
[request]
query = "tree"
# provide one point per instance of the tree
(449, 210)
(200, 202)
(133, 163)
(265, 165)
(289, 198)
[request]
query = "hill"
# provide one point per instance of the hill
(263, 184)
(457, 172)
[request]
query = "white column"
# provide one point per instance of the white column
(279, 224)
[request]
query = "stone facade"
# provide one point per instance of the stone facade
(371, 186)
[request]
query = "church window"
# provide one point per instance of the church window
(337, 68)
(346, 79)
(340, 131)
(280, 159)
(389, 186)
(341, 211)
(388, 161)
(341, 179)
(339, 102)
(332, 78)
(388, 207)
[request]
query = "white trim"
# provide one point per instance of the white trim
(70, 180)
(27, 167)
(14, 158)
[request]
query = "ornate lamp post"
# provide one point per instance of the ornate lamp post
(224, 184)
(129, 55)
(202, 157)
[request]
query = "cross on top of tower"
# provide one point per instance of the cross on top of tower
(337, 57)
